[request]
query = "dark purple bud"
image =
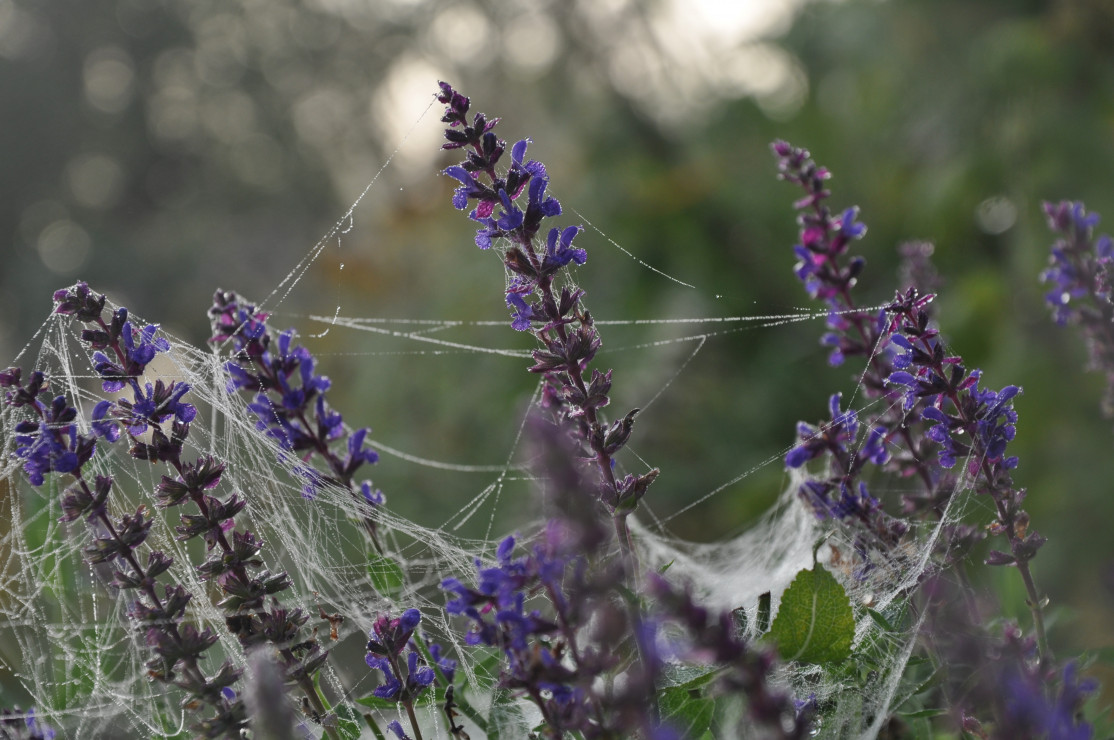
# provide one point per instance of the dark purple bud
(995, 557)
(389, 636)
(79, 301)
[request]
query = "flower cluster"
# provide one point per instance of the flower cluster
(290, 402)
(531, 642)
(1081, 292)
(557, 318)
(158, 613)
(842, 495)
(386, 642)
(896, 440)
(121, 354)
(825, 239)
(51, 443)
(967, 422)
(935, 407)
(561, 613)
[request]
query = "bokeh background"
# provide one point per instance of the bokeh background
(159, 149)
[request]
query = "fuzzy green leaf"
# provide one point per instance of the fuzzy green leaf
(686, 710)
(386, 576)
(348, 722)
(814, 623)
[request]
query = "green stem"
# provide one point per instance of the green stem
(626, 544)
(413, 719)
(310, 691)
(374, 727)
(1036, 607)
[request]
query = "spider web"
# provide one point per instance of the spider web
(68, 642)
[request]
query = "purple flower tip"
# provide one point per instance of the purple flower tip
(798, 456)
(505, 549)
(409, 619)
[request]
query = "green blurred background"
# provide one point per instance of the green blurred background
(160, 149)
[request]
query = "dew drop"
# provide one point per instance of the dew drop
(93, 580)
(341, 266)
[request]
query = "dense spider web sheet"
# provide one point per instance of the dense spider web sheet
(67, 640)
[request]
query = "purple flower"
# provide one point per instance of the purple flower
(233, 318)
(102, 424)
(135, 349)
(79, 301)
(396, 728)
(470, 188)
(155, 404)
(392, 685)
(389, 636)
(372, 497)
(403, 682)
(523, 311)
(559, 250)
(289, 402)
(51, 444)
(834, 437)
(557, 318)
(447, 665)
(1079, 271)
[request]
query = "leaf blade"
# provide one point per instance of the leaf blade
(815, 623)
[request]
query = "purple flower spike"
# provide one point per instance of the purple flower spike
(554, 314)
(1079, 272)
(289, 402)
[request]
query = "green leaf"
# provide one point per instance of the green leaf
(348, 722)
(924, 713)
(386, 576)
(881, 620)
(815, 623)
(686, 675)
(686, 710)
(762, 620)
(374, 702)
